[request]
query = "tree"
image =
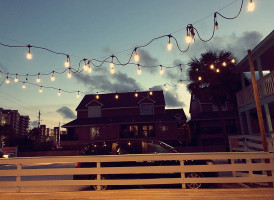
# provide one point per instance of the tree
(215, 72)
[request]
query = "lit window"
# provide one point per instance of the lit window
(164, 128)
(146, 109)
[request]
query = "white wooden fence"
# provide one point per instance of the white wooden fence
(249, 143)
(22, 168)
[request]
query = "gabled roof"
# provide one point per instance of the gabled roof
(127, 99)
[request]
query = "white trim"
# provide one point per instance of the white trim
(93, 101)
(146, 98)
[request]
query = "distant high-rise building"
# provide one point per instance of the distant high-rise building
(24, 125)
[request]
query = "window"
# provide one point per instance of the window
(223, 107)
(146, 109)
(94, 132)
(148, 131)
(164, 128)
(94, 111)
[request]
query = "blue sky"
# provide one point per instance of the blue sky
(98, 29)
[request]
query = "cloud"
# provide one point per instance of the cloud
(107, 50)
(3, 68)
(238, 45)
(171, 97)
(147, 60)
(66, 112)
(34, 123)
(119, 82)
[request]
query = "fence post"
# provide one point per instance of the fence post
(18, 177)
(183, 176)
(98, 175)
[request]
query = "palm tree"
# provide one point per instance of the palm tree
(215, 72)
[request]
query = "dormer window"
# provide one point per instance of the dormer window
(94, 111)
(146, 109)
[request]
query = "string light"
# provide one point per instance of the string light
(216, 23)
(161, 70)
(67, 63)
(69, 74)
(181, 83)
(7, 80)
(27, 78)
(165, 87)
(59, 93)
(139, 72)
(38, 80)
(111, 65)
(24, 85)
(85, 67)
(212, 66)
(29, 55)
(52, 78)
(97, 96)
(89, 70)
(78, 95)
(116, 96)
(136, 94)
(233, 61)
(224, 64)
(250, 6)
(169, 44)
(136, 56)
(218, 70)
(199, 78)
(190, 34)
(40, 90)
(16, 79)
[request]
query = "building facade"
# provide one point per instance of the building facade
(125, 115)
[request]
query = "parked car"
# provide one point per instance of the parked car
(3, 154)
(137, 147)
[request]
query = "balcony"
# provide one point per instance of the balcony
(265, 87)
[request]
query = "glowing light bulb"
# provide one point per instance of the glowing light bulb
(24, 86)
(89, 70)
(139, 71)
(69, 74)
(52, 78)
(59, 93)
(85, 67)
(217, 70)
(165, 88)
(250, 6)
(233, 60)
(112, 70)
(40, 90)
(29, 56)
(67, 63)
(224, 64)
(161, 71)
(216, 25)
(199, 78)
(38, 80)
(169, 46)
(111, 65)
(16, 79)
(136, 94)
(116, 96)
(7, 80)
(136, 57)
(188, 39)
(97, 96)
(211, 66)
(150, 93)
(78, 95)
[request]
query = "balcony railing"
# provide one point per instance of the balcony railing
(265, 87)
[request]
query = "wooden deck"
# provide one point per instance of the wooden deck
(151, 194)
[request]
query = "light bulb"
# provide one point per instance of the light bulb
(161, 71)
(85, 67)
(181, 83)
(78, 95)
(69, 74)
(89, 70)
(59, 93)
(150, 93)
(224, 64)
(169, 46)
(112, 70)
(165, 88)
(23, 86)
(233, 60)
(188, 39)
(217, 70)
(111, 65)
(211, 66)
(250, 6)
(97, 96)
(139, 71)
(116, 96)
(7, 80)
(38, 80)
(136, 57)
(16, 80)
(67, 64)
(52, 78)
(136, 94)
(199, 78)
(40, 90)
(29, 56)
(216, 25)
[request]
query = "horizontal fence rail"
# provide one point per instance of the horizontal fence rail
(57, 171)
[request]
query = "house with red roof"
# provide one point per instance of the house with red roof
(115, 116)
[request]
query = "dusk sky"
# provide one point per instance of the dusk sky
(97, 29)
